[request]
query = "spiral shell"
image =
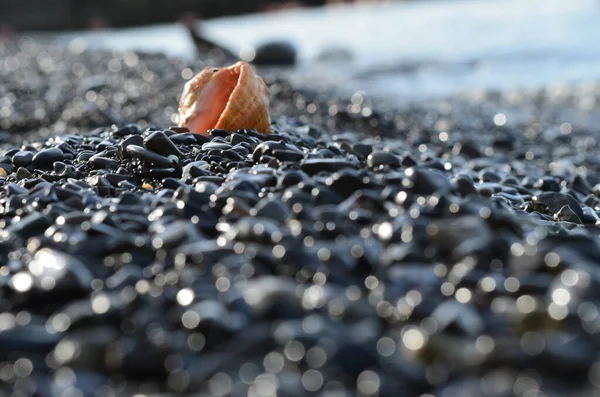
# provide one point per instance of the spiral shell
(230, 98)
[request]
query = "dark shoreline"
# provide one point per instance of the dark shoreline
(440, 248)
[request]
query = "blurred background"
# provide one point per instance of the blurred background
(79, 14)
(401, 50)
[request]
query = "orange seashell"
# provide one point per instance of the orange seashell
(230, 98)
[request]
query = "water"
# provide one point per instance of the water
(409, 50)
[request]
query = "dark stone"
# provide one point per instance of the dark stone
(313, 166)
(31, 225)
(130, 129)
(99, 162)
(132, 140)
(464, 185)
(547, 184)
(273, 209)
(45, 158)
(566, 214)
(380, 158)
(552, 203)
(429, 181)
(275, 53)
(146, 155)
(160, 143)
(22, 159)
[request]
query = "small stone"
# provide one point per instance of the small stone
(315, 165)
(160, 143)
(381, 158)
(132, 140)
(146, 155)
(45, 158)
(22, 159)
(553, 202)
(566, 214)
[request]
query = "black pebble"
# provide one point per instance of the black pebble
(315, 165)
(553, 202)
(22, 159)
(146, 155)
(45, 158)
(160, 143)
(132, 140)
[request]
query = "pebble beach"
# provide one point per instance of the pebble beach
(444, 248)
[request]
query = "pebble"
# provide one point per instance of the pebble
(316, 165)
(380, 158)
(146, 155)
(553, 202)
(46, 157)
(160, 143)
(22, 159)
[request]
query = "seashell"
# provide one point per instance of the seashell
(230, 98)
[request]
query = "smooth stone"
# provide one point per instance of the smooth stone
(22, 159)
(160, 143)
(589, 215)
(31, 225)
(313, 166)
(287, 155)
(15, 190)
(64, 170)
(177, 233)
(429, 181)
(467, 148)
(346, 182)
(362, 149)
(272, 208)
(216, 146)
(553, 202)
(547, 184)
(132, 140)
(45, 158)
(254, 229)
(267, 148)
(130, 129)
(100, 162)
(381, 158)
(464, 185)
(146, 155)
(184, 139)
(84, 156)
(566, 214)
(196, 169)
(275, 53)
(581, 185)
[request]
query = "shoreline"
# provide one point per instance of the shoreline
(354, 250)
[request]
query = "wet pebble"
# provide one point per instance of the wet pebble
(160, 143)
(380, 158)
(22, 159)
(146, 155)
(46, 157)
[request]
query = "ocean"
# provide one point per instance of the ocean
(406, 50)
